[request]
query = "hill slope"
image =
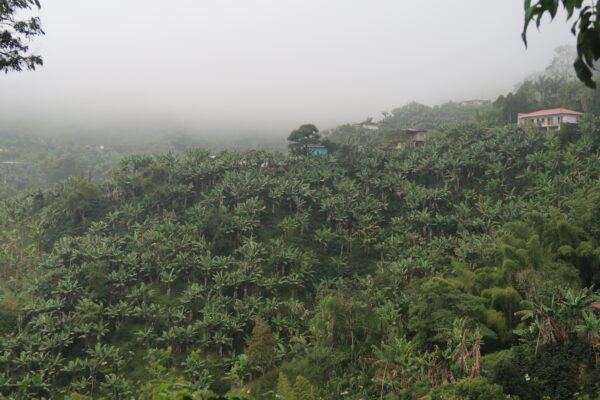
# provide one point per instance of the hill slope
(354, 275)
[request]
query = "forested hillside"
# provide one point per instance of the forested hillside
(461, 269)
(555, 87)
(30, 162)
(40, 161)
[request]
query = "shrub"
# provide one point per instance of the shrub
(469, 389)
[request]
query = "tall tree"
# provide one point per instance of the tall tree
(586, 27)
(15, 35)
(561, 65)
(260, 349)
(305, 134)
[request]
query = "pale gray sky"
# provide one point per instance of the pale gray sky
(271, 64)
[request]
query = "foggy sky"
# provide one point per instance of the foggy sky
(267, 64)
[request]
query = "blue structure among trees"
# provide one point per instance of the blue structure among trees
(316, 149)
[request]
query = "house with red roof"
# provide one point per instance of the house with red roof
(549, 119)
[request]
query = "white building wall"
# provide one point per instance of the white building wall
(550, 120)
(570, 118)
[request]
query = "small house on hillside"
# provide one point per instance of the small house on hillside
(549, 119)
(400, 139)
(418, 135)
(474, 103)
(367, 124)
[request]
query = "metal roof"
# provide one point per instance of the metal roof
(552, 111)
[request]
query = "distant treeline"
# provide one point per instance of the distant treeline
(556, 87)
(40, 161)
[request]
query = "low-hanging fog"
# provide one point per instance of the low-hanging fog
(239, 66)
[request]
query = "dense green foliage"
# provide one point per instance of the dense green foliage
(34, 162)
(31, 162)
(410, 116)
(305, 135)
(359, 274)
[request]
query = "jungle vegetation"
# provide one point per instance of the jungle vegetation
(466, 268)
(32, 161)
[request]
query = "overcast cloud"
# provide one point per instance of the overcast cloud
(268, 64)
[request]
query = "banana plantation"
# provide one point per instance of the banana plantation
(466, 268)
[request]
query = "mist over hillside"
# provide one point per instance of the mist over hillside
(299, 200)
(234, 68)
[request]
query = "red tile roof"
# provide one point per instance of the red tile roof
(552, 111)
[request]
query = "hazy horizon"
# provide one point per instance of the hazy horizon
(265, 66)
